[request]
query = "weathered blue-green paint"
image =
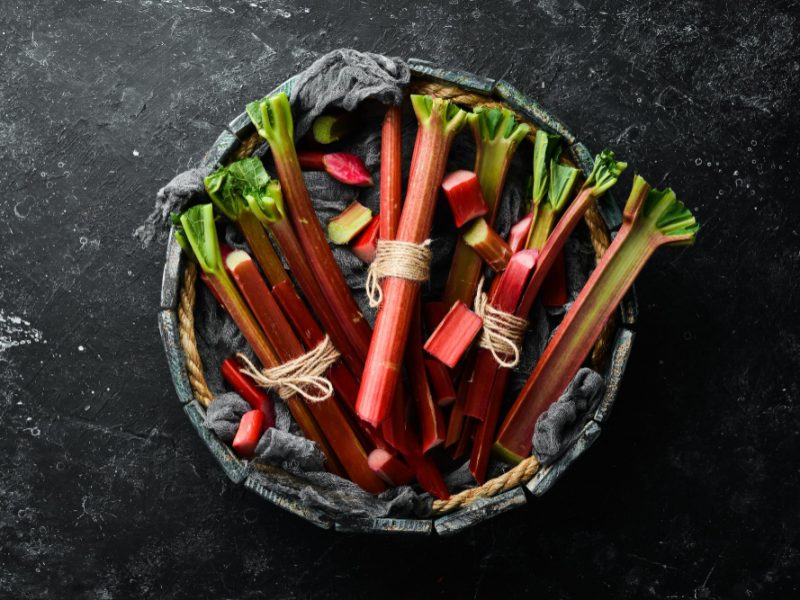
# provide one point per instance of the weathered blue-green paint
(233, 467)
(480, 510)
(467, 81)
(168, 327)
(547, 476)
(382, 525)
(221, 149)
(173, 267)
(532, 110)
(287, 503)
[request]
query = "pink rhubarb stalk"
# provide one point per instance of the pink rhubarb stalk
(243, 385)
(651, 219)
(439, 122)
(248, 433)
(391, 172)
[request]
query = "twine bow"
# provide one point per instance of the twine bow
(502, 332)
(300, 375)
(394, 258)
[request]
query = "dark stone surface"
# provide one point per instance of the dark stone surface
(105, 489)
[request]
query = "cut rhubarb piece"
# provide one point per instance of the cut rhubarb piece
(518, 236)
(451, 339)
(651, 219)
(349, 223)
(490, 247)
(431, 420)
(243, 385)
(248, 433)
(439, 122)
(391, 172)
(554, 287)
(456, 420)
(444, 392)
(463, 193)
(428, 475)
(347, 168)
(389, 468)
(497, 136)
(465, 440)
(486, 429)
(367, 243)
(333, 127)
(342, 166)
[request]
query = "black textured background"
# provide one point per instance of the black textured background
(692, 491)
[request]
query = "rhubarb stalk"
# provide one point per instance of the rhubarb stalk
(497, 135)
(439, 122)
(561, 180)
(391, 172)
(492, 249)
(651, 219)
(349, 223)
(272, 117)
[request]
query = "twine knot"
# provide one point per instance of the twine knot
(502, 332)
(302, 376)
(394, 258)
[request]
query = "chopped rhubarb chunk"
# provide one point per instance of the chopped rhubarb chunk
(454, 334)
(464, 195)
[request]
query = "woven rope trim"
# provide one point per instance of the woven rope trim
(525, 470)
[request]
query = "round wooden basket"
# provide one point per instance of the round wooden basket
(511, 489)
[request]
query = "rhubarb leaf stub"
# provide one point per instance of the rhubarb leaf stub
(546, 148)
(562, 180)
(605, 173)
(245, 185)
(201, 233)
(671, 217)
(272, 117)
(440, 112)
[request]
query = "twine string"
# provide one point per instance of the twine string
(394, 258)
(301, 376)
(502, 332)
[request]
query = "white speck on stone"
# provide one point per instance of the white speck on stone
(136, 153)
(81, 348)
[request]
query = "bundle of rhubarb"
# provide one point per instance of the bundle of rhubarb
(424, 387)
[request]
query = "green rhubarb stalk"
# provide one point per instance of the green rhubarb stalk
(272, 117)
(561, 181)
(652, 218)
(497, 135)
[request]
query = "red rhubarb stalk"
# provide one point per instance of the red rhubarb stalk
(444, 393)
(554, 287)
(463, 193)
(454, 335)
(430, 416)
(486, 429)
(389, 468)
(439, 122)
(248, 433)
(492, 249)
(497, 135)
(391, 172)
(366, 244)
(505, 296)
(518, 236)
(273, 120)
(651, 219)
(243, 385)
(349, 223)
